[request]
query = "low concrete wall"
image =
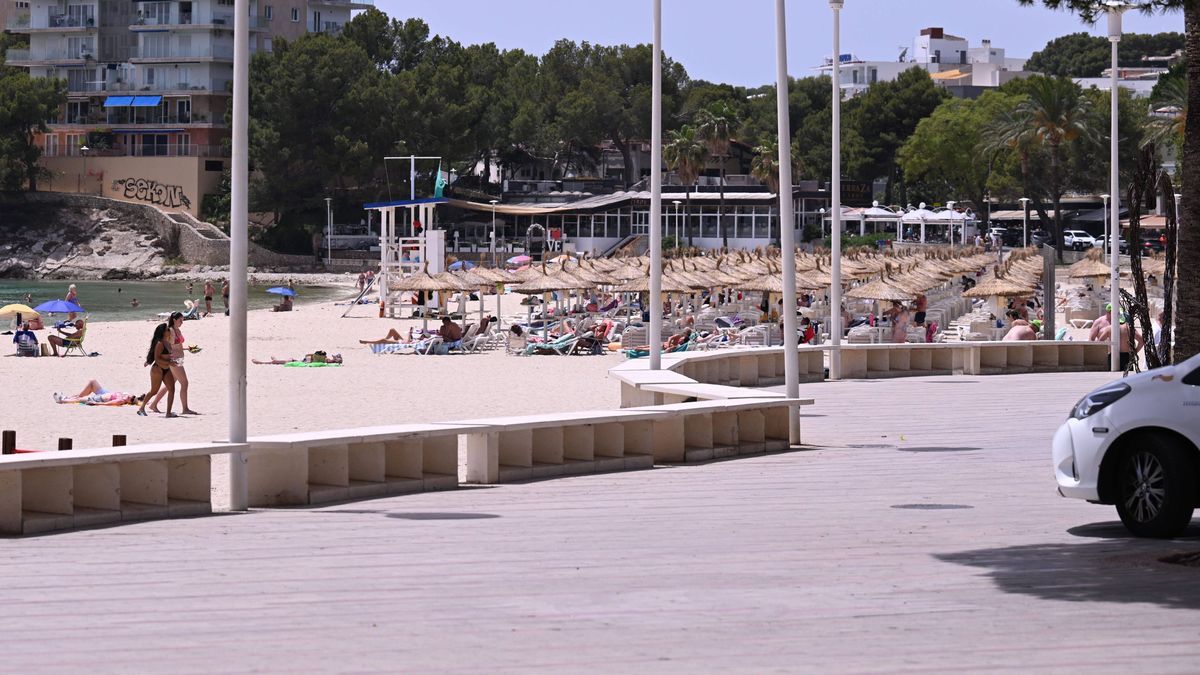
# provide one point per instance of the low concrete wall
(199, 243)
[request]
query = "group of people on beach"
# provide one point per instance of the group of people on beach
(165, 360)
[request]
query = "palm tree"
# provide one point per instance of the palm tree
(714, 126)
(685, 154)
(1054, 115)
(765, 167)
(1168, 119)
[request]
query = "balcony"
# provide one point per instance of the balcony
(172, 54)
(157, 150)
(17, 24)
(185, 21)
(26, 57)
(218, 86)
(352, 4)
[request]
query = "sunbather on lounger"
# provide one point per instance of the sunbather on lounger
(308, 358)
(94, 394)
(393, 337)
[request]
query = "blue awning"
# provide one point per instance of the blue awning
(117, 101)
(145, 101)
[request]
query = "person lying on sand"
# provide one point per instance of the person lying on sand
(94, 394)
(335, 358)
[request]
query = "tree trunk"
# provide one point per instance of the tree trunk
(1056, 197)
(1187, 314)
(627, 158)
(721, 207)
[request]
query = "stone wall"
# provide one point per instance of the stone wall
(199, 243)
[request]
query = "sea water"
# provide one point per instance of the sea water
(111, 300)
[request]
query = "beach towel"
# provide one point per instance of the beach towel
(302, 364)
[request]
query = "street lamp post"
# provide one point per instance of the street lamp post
(1107, 234)
(239, 251)
(83, 150)
(676, 202)
(787, 225)
(835, 289)
(963, 236)
(1024, 220)
(656, 308)
(1115, 10)
(329, 229)
(493, 203)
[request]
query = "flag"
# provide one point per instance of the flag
(439, 183)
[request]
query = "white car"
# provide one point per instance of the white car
(1078, 239)
(1122, 245)
(1135, 443)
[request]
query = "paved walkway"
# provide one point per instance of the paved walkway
(934, 542)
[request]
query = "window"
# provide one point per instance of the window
(77, 112)
(74, 143)
(296, 14)
(316, 23)
(269, 12)
(51, 145)
(183, 144)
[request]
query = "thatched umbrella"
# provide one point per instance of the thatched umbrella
(424, 282)
(879, 289)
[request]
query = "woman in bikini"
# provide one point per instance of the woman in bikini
(176, 324)
(158, 357)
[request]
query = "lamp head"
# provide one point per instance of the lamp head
(1115, 9)
(493, 202)
(836, 4)
(1105, 197)
(921, 205)
(1024, 200)
(84, 148)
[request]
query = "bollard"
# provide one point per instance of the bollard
(64, 444)
(9, 442)
(118, 440)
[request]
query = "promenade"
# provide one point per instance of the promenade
(920, 532)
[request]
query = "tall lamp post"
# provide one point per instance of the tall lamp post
(239, 251)
(1107, 234)
(83, 150)
(329, 229)
(656, 307)
(1024, 221)
(493, 203)
(950, 214)
(1115, 10)
(787, 225)
(676, 202)
(835, 289)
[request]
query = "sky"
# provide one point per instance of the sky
(733, 41)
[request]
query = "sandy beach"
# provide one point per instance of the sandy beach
(368, 390)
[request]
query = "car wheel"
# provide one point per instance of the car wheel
(1157, 488)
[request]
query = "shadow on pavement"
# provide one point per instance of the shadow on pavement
(1113, 529)
(442, 516)
(932, 448)
(1127, 571)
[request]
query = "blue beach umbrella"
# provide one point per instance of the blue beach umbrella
(461, 264)
(280, 290)
(58, 307)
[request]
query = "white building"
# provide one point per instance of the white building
(949, 59)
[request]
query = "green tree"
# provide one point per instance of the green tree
(1187, 324)
(25, 105)
(1169, 108)
(1055, 116)
(885, 116)
(715, 127)
(1074, 55)
(686, 155)
(943, 155)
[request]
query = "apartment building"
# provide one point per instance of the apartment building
(949, 59)
(150, 80)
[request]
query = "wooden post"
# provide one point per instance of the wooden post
(118, 440)
(64, 444)
(9, 443)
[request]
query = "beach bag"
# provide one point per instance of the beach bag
(318, 357)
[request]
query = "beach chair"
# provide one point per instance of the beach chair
(27, 346)
(561, 346)
(405, 348)
(428, 346)
(76, 343)
(515, 345)
(475, 344)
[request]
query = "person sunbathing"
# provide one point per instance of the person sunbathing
(393, 337)
(308, 358)
(94, 394)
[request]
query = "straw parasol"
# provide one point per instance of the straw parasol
(880, 289)
(642, 285)
(1088, 268)
(998, 286)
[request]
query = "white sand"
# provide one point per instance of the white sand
(367, 390)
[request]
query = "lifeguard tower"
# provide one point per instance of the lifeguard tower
(408, 241)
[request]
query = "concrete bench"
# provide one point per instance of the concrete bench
(902, 360)
(42, 492)
(705, 430)
(343, 464)
(505, 449)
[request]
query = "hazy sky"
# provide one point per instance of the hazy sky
(733, 40)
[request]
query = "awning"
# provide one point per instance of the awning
(145, 101)
(117, 101)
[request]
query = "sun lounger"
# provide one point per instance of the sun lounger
(394, 348)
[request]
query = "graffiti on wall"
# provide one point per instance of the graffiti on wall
(146, 190)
